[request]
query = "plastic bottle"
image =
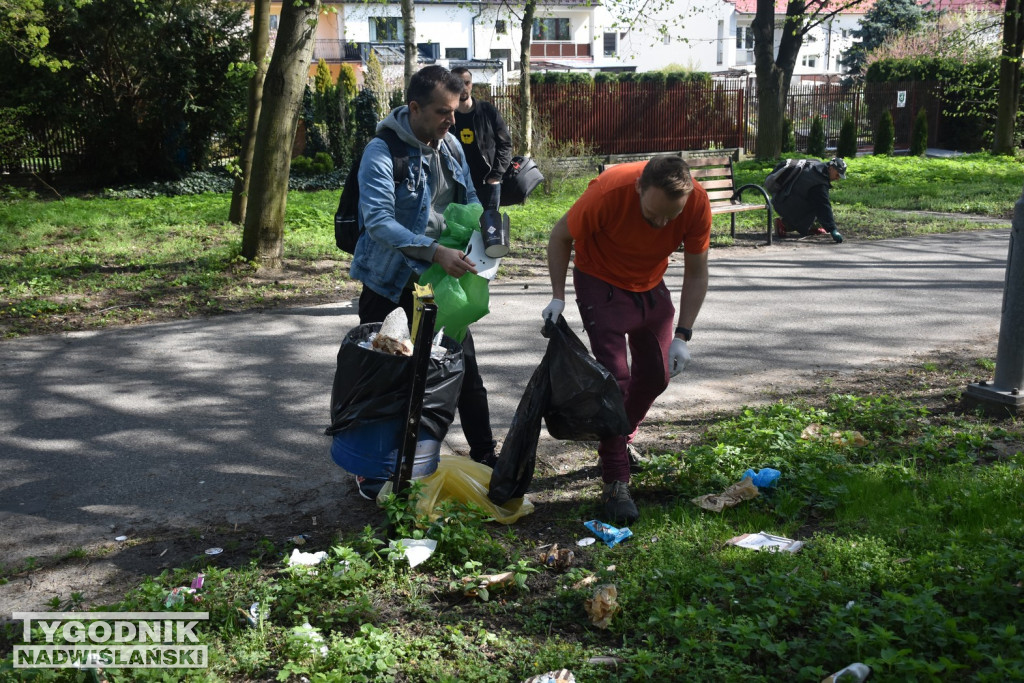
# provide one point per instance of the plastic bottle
(854, 673)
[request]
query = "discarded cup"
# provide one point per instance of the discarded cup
(495, 230)
(197, 583)
(854, 673)
(586, 540)
(214, 551)
(121, 539)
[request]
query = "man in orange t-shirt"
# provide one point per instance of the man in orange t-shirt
(628, 222)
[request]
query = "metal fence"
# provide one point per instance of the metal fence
(643, 118)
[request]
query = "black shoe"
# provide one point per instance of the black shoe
(369, 488)
(618, 504)
(489, 459)
(837, 237)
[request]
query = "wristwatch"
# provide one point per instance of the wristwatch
(685, 331)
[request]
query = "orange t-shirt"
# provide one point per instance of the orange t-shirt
(613, 241)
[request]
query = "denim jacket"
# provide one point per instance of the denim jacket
(396, 218)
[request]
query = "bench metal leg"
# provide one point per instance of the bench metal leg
(732, 227)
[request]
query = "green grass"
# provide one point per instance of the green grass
(912, 565)
(89, 263)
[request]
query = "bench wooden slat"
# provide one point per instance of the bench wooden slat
(712, 184)
(710, 173)
(700, 162)
(720, 195)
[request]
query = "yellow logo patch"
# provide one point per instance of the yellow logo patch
(466, 135)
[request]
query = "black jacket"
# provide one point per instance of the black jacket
(492, 139)
(808, 200)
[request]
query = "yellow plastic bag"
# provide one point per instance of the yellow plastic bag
(459, 478)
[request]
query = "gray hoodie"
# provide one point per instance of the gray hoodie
(440, 177)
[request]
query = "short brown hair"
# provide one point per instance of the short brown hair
(668, 173)
(426, 80)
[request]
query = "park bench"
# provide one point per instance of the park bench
(715, 174)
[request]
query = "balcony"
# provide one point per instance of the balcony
(336, 51)
(560, 50)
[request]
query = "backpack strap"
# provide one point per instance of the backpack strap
(399, 154)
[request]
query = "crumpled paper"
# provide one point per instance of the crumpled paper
(816, 432)
(734, 495)
(603, 605)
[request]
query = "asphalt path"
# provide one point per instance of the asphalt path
(220, 420)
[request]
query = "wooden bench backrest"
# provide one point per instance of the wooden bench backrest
(713, 173)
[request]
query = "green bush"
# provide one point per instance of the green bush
(605, 77)
(322, 163)
(847, 145)
(919, 133)
(788, 136)
(816, 138)
(885, 135)
(302, 165)
(656, 77)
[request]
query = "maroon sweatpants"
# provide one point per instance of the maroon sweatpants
(613, 318)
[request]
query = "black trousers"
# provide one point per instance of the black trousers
(473, 411)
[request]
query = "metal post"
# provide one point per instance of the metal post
(1005, 394)
(420, 364)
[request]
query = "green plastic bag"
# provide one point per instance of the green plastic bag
(460, 301)
(460, 222)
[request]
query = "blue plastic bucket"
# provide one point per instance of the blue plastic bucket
(371, 450)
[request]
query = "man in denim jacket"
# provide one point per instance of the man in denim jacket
(403, 222)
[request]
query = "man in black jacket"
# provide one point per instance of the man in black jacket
(806, 199)
(485, 140)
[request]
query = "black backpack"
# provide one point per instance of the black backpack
(346, 218)
(782, 178)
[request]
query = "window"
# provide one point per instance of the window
(501, 26)
(456, 53)
(666, 39)
(551, 29)
(744, 38)
(810, 61)
(503, 54)
(610, 44)
(386, 30)
(274, 19)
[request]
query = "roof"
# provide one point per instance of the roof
(750, 6)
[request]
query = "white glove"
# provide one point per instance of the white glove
(553, 310)
(678, 357)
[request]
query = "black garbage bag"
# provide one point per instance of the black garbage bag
(585, 404)
(578, 399)
(513, 472)
(370, 385)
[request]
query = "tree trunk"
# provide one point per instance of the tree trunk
(259, 43)
(774, 72)
(525, 101)
(411, 52)
(1009, 77)
(282, 96)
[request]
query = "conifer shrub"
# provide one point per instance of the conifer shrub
(816, 138)
(788, 136)
(885, 135)
(847, 145)
(919, 133)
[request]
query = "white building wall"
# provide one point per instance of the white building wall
(685, 33)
